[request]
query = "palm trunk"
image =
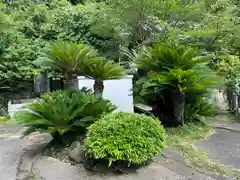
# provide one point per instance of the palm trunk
(71, 81)
(98, 86)
(178, 102)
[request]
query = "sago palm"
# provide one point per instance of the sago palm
(178, 69)
(164, 57)
(100, 69)
(67, 56)
(61, 112)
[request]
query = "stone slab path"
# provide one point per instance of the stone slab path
(45, 167)
(10, 151)
(16, 165)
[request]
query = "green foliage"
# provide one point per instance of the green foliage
(175, 68)
(99, 68)
(132, 138)
(60, 20)
(66, 56)
(177, 137)
(162, 57)
(16, 68)
(198, 109)
(4, 22)
(73, 58)
(228, 67)
(61, 112)
(133, 21)
(17, 58)
(173, 71)
(3, 119)
(211, 27)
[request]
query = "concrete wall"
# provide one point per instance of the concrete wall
(118, 91)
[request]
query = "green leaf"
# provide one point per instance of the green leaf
(64, 111)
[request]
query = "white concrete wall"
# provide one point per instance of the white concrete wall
(13, 108)
(118, 91)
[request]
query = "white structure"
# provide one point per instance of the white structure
(13, 108)
(118, 91)
(219, 100)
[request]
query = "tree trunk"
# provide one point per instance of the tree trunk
(98, 86)
(178, 102)
(232, 100)
(71, 81)
(229, 98)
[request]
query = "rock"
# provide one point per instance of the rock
(76, 154)
(76, 144)
(36, 142)
(53, 169)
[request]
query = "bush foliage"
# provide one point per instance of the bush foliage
(61, 112)
(131, 138)
(173, 71)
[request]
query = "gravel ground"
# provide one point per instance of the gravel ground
(10, 129)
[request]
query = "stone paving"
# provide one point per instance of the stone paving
(15, 164)
(10, 151)
(46, 168)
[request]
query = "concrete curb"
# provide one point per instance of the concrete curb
(10, 136)
(226, 128)
(183, 168)
(179, 164)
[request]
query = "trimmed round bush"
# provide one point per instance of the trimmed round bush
(126, 137)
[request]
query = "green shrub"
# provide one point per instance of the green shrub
(61, 112)
(126, 137)
(197, 111)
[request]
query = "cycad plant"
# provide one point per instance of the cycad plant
(75, 58)
(66, 56)
(100, 69)
(176, 70)
(62, 112)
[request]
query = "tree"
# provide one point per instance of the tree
(176, 70)
(131, 21)
(101, 69)
(16, 55)
(74, 59)
(66, 56)
(228, 67)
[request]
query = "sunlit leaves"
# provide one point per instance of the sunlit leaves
(128, 137)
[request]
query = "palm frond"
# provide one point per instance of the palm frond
(62, 111)
(65, 55)
(164, 57)
(99, 68)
